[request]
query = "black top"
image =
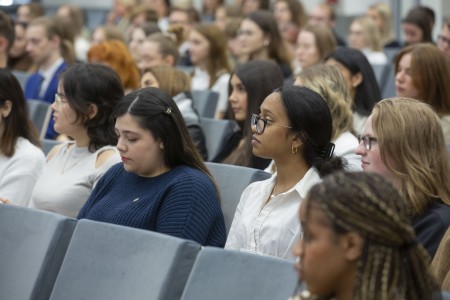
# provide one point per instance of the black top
(431, 226)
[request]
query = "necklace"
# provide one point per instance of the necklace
(273, 195)
(75, 155)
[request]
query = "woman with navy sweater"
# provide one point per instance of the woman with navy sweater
(162, 184)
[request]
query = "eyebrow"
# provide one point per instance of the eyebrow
(126, 131)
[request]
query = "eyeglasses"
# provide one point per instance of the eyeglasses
(261, 123)
(368, 140)
(442, 39)
(60, 99)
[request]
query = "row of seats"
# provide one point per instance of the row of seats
(47, 256)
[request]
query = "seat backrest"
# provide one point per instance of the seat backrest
(39, 113)
(205, 102)
(32, 247)
(445, 295)
(379, 71)
(217, 133)
(108, 262)
(232, 181)
(22, 77)
(388, 90)
(47, 145)
(227, 274)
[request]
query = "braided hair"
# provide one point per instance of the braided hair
(392, 265)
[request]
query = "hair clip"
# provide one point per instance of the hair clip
(329, 151)
(168, 111)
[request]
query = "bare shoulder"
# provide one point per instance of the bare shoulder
(103, 156)
(54, 150)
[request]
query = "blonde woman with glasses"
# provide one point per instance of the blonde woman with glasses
(403, 141)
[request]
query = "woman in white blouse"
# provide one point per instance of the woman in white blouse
(294, 128)
(207, 50)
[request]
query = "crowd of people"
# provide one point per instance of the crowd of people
(359, 193)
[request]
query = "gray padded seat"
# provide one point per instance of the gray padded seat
(32, 247)
(379, 71)
(22, 77)
(445, 295)
(388, 90)
(112, 262)
(232, 181)
(227, 274)
(39, 113)
(47, 145)
(205, 102)
(217, 133)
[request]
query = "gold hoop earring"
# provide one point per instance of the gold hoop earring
(294, 150)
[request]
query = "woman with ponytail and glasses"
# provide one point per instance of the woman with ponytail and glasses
(162, 184)
(358, 243)
(294, 128)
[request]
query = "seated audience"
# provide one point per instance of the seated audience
(75, 16)
(404, 142)
(443, 42)
(162, 184)
(21, 160)
(330, 84)
(418, 26)
(291, 17)
(7, 33)
(249, 6)
(52, 52)
(314, 44)
(261, 40)
(422, 73)
(177, 84)
(361, 81)
(207, 50)
(18, 58)
(324, 14)
(358, 243)
(157, 50)
(115, 54)
(251, 83)
(87, 94)
(363, 35)
(105, 33)
(294, 128)
(381, 14)
(28, 12)
(137, 37)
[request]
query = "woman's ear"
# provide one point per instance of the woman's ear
(353, 244)
(93, 109)
(6, 108)
(357, 79)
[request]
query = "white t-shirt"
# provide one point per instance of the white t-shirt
(19, 173)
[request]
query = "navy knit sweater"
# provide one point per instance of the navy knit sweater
(182, 202)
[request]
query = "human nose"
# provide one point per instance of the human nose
(399, 76)
(120, 145)
(361, 149)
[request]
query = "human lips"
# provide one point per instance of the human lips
(124, 159)
(255, 140)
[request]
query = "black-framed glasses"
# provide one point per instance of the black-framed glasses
(368, 140)
(261, 123)
(442, 39)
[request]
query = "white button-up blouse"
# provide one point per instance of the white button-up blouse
(270, 228)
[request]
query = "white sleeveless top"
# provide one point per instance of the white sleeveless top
(69, 178)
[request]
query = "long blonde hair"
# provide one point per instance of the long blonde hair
(410, 135)
(386, 32)
(328, 81)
